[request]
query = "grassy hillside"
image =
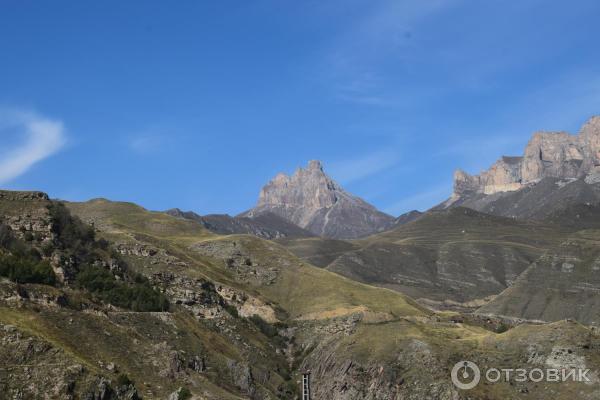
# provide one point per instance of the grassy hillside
(563, 283)
(83, 321)
(299, 288)
(342, 325)
(128, 218)
(459, 255)
(247, 316)
(154, 350)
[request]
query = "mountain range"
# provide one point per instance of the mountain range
(460, 254)
(266, 225)
(107, 300)
(557, 170)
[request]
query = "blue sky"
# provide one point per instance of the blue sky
(197, 104)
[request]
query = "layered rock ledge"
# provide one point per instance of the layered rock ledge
(547, 155)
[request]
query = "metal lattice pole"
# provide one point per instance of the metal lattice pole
(306, 385)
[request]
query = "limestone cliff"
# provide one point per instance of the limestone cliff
(312, 200)
(547, 155)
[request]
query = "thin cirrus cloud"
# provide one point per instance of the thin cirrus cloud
(421, 201)
(349, 171)
(147, 143)
(41, 137)
(539, 110)
(356, 59)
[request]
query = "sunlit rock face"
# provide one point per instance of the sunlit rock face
(547, 155)
(304, 193)
(312, 200)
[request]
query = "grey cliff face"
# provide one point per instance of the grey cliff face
(313, 201)
(303, 194)
(547, 155)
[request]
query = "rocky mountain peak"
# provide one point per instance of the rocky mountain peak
(547, 155)
(312, 200)
(309, 188)
(315, 165)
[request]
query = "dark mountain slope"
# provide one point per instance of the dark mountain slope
(407, 217)
(266, 225)
(550, 195)
(458, 255)
(563, 283)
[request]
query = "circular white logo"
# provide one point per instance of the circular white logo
(465, 375)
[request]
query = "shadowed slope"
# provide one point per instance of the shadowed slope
(458, 255)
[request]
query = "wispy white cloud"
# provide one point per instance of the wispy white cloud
(383, 34)
(408, 53)
(421, 201)
(370, 100)
(348, 171)
(146, 144)
(562, 105)
(40, 138)
(361, 88)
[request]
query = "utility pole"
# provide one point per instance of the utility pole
(306, 385)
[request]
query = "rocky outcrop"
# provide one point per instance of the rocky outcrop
(207, 301)
(153, 254)
(341, 378)
(199, 296)
(241, 261)
(8, 195)
(313, 201)
(547, 155)
(34, 368)
(27, 214)
(504, 175)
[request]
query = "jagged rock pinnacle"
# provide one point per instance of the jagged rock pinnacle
(315, 165)
(312, 200)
